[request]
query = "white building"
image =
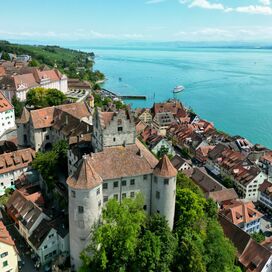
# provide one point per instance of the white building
(8, 251)
(20, 84)
(13, 165)
(7, 116)
(121, 167)
(50, 240)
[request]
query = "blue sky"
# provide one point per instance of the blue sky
(141, 20)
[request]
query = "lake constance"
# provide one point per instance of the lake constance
(230, 87)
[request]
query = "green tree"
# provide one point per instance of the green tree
(183, 182)
(162, 151)
(219, 252)
(18, 106)
(228, 182)
(55, 97)
(258, 236)
(114, 243)
(5, 56)
(34, 63)
(40, 97)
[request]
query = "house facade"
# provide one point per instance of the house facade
(13, 165)
(8, 252)
(7, 115)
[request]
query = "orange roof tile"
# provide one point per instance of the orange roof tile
(165, 168)
(4, 103)
(5, 236)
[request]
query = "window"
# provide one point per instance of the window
(158, 211)
(119, 122)
(73, 193)
(45, 247)
(115, 184)
(51, 235)
(145, 176)
(116, 196)
(54, 252)
(105, 185)
(4, 254)
(124, 195)
(156, 179)
(158, 195)
(132, 194)
(120, 129)
(124, 182)
(47, 137)
(166, 181)
(114, 139)
(44, 129)
(105, 198)
(132, 182)
(98, 191)
(5, 263)
(80, 209)
(144, 207)
(99, 203)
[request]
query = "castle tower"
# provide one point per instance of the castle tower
(85, 207)
(164, 190)
(113, 129)
(23, 128)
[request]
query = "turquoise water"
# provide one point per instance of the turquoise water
(230, 87)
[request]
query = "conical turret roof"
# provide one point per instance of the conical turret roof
(85, 177)
(24, 116)
(165, 168)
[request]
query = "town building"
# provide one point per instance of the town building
(242, 214)
(131, 169)
(8, 251)
(43, 127)
(50, 239)
(181, 164)
(251, 255)
(20, 84)
(7, 115)
(265, 194)
(12, 165)
(145, 116)
(162, 121)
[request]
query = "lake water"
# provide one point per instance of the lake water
(230, 87)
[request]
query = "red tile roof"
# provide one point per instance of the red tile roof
(165, 168)
(85, 177)
(16, 160)
(4, 103)
(240, 212)
(26, 81)
(5, 236)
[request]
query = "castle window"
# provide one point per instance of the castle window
(145, 177)
(99, 203)
(105, 185)
(124, 195)
(114, 139)
(105, 198)
(166, 181)
(44, 129)
(132, 182)
(120, 129)
(144, 207)
(119, 122)
(124, 182)
(156, 179)
(115, 184)
(47, 137)
(132, 194)
(80, 209)
(98, 191)
(158, 211)
(158, 195)
(116, 196)
(73, 193)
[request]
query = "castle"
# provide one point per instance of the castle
(121, 166)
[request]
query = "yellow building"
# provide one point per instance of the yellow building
(8, 251)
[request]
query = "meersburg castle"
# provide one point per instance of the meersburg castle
(121, 166)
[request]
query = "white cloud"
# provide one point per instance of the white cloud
(206, 5)
(265, 2)
(265, 10)
(154, 1)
